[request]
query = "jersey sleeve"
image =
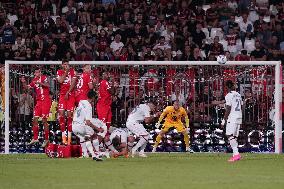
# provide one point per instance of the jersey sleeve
(88, 112)
(228, 99)
(147, 111)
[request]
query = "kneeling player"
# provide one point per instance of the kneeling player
(82, 125)
(100, 136)
(173, 115)
(120, 142)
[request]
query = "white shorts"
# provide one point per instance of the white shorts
(136, 128)
(233, 129)
(82, 130)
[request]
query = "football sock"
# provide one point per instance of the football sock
(90, 148)
(234, 145)
(35, 131)
(142, 141)
(62, 125)
(69, 124)
(110, 146)
(158, 140)
(83, 146)
(96, 145)
(186, 140)
(46, 131)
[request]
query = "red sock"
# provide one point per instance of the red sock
(35, 131)
(46, 134)
(69, 124)
(62, 123)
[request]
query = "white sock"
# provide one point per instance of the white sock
(110, 146)
(234, 145)
(130, 146)
(140, 143)
(84, 148)
(143, 147)
(90, 148)
(96, 145)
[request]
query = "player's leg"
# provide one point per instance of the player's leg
(232, 130)
(35, 128)
(45, 113)
(46, 131)
(61, 118)
(70, 110)
(69, 126)
(90, 134)
(79, 132)
(143, 135)
(181, 129)
(159, 137)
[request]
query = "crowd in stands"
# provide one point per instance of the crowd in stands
(141, 29)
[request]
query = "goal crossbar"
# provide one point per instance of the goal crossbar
(277, 94)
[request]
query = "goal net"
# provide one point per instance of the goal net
(199, 86)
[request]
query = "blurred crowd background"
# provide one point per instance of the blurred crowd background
(144, 30)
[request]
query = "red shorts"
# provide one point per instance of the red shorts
(68, 104)
(42, 108)
(80, 97)
(104, 114)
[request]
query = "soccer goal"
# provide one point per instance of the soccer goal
(199, 86)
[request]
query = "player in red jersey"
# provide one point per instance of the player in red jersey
(84, 84)
(66, 77)
(104, 101)
(43, 103)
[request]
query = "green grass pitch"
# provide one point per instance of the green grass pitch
(158, 171)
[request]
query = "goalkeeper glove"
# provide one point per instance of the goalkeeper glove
(158, 125)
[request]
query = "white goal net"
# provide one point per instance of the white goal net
(199, 86)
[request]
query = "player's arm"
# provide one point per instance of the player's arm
(25, 85)
(61, 78)
(162, 116)
(123, 150)
(227, 109)
(186, 119)
(96, 129)
(227, 112)
(73, 84)
(44, 83)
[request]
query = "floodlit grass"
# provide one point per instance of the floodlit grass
(165, 171)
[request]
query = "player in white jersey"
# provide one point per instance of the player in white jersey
(100, 136)
(233, 118)
(134, 121)
(120, 142)
(83, 127)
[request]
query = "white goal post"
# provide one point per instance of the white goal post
(277, 94)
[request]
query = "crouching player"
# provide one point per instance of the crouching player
(139, 114)
(120, 142)
(100, 136)
(174, 115)
(82, 125)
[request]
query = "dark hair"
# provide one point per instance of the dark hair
(64, 60)
(115, 142)
(91, 94)
(229, 84)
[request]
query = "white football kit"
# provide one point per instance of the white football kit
(82, 113)
(122, 133)
(234, 121)
(136, 117)
(99, 124)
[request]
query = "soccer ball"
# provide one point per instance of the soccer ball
(221, 59)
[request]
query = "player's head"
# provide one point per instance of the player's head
(37, 72)
(152, 105)
(106, 75)
(176, 105)
(116, 142)
(92, 95)
(65, 64)
(230, 85)
(87, 68)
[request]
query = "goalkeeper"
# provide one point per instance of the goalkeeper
(173, 118)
